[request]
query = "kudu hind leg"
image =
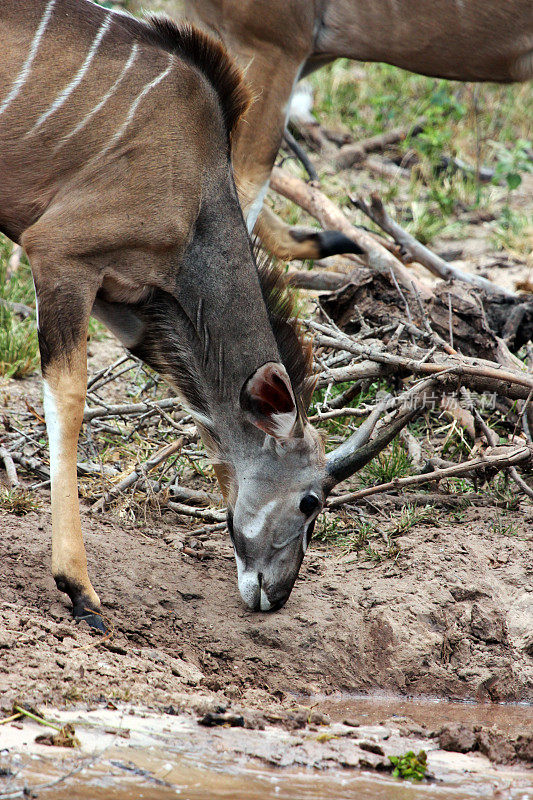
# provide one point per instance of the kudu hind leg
(64, 312)
(288, 243)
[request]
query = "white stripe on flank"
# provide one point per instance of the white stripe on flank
(105, 98)
(135, 104)
(21, 78)
(53, 428)
(67, 91)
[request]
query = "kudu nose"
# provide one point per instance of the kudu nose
(254, 594)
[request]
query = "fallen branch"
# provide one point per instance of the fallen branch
(418, 252)
(209, 515)
(486, 376)
(352, 154)
(21, 309)
(128, 409)
(30, 464)
(386, 169)
(12, 477)
(497, 462)
(331, 217)
(139, 473)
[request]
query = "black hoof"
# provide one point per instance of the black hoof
(328, 243)
(333, 243)
(83, 609)
(84, 612)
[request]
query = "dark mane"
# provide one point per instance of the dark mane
(295, 349)
(209, 56)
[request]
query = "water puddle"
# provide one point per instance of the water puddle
(128, 755)
(510, 718)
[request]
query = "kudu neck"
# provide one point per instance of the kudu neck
(210, 331)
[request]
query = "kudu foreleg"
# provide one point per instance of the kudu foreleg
(65, 383)
(64, 308)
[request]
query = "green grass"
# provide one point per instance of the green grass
(410, 516)
(19, 351)
(17, 501)
(19, 347)
(482, 125)
(394, 462)
(363, 535)
(352, 535)
(503, 527)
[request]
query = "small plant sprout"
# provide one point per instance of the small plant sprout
(411, 766)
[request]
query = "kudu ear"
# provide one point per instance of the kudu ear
(268, 399)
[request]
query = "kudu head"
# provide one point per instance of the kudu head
(274, 497)
(276, 477)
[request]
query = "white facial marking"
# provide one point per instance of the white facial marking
(53, 428)
(266, 605)
(248, 583)
(21, 78)
(67, 91)
(135, 104)
(255, 208)
(127, 66)
(254, 530)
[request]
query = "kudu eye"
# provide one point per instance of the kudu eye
(309, 504)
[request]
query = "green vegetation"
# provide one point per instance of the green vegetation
(368, 539)
(503, 527)
(410, 766)
(467, 127)
(394, 462)
(410, 516)
(18, 501)
(19, 352)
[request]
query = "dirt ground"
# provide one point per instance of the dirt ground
(451, 617)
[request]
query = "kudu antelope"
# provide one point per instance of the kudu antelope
(277, 42)
(115, 176)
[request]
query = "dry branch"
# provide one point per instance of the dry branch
(128, 409)
(207, 514)
(326, 212)
(138, 473)
(496, 462)
(21, 309)
(386, 169)
(351, 154)
(12, 477)
(478, 374)
(418, 252)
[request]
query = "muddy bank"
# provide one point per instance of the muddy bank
(159, 755)
(450, 617)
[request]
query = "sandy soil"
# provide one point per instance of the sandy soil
(451, 617)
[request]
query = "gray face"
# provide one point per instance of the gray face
(278, 500)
